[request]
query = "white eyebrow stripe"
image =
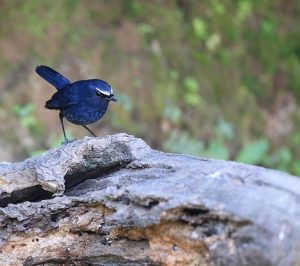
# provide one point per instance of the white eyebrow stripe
(103, 92)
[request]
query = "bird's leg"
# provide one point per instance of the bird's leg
(89, 130)
(63, 128)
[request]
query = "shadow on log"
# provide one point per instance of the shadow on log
(115, 201)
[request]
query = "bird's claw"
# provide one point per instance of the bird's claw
(66, 141)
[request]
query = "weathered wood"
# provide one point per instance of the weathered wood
(115, 201)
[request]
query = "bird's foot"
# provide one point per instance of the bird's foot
(66, 141)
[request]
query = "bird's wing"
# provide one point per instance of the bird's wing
(64, 98)
(53, 77)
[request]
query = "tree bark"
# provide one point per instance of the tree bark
(115, 201)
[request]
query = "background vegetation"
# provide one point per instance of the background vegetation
(216, 78)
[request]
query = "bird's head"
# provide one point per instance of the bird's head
(104, 90)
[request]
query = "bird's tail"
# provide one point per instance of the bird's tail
(52, 76)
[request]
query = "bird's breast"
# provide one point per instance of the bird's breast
(85, 113)
(83, 118)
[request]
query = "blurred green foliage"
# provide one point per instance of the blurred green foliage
(27, 118)
(208, 78)
(254, 152)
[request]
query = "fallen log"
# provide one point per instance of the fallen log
(115, 201)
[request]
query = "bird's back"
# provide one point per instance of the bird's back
(70, 95)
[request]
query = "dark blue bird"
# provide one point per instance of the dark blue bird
(82, 102)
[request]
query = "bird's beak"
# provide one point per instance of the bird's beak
(113, 99)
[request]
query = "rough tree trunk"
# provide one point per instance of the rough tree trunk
(115, 201)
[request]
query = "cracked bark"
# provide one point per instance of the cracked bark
(115, 201)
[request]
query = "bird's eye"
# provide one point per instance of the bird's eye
(98, 93)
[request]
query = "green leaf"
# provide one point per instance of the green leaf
(254, 152)
(244, 10)
(280, 159)
(217, 150)
(199, 28)
(224, 129)
(192, 99)
(296, 167)
(28, 121)
(172, 113)
(182, 142)
(213, 41)
(267, 27)
(190, 84)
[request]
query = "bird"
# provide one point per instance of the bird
(81, 102)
